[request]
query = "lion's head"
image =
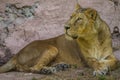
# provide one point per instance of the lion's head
(82, 22)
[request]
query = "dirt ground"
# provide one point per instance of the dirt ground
(71, 74)
(74, 73)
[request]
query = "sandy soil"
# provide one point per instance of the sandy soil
(71, 74)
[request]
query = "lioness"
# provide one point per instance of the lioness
(88, 38)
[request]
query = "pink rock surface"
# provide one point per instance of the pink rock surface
(50, 18)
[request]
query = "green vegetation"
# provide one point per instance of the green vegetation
(75, 66)
(34, 78)
(79, 78)
(102, 77)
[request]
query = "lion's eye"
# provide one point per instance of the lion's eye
(79, 19)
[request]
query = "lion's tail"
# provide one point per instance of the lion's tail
(8, 66)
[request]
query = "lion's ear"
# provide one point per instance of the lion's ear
(77, 7)
(91, 13)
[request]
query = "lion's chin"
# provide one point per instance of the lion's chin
(68, 37)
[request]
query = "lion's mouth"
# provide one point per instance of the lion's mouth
(74, 37)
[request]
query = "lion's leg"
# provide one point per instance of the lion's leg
(55, 68)
(107, 60)
(22, 68)
(98, 66)
(110, 62)
(61, 66)
(105, 65)
(48, 56)
(102, 66)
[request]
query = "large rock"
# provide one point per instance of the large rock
(49, 20)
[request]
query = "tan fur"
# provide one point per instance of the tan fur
(87, 33)
(94, 39)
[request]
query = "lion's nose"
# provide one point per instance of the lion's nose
(67, 27)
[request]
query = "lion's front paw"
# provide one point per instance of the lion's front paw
(62, 66)
(100, 71)
(32, 69)
(48, 70)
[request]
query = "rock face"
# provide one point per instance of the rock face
(48, 21)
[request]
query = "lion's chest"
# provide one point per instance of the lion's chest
(90, 47)
(68, 51)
